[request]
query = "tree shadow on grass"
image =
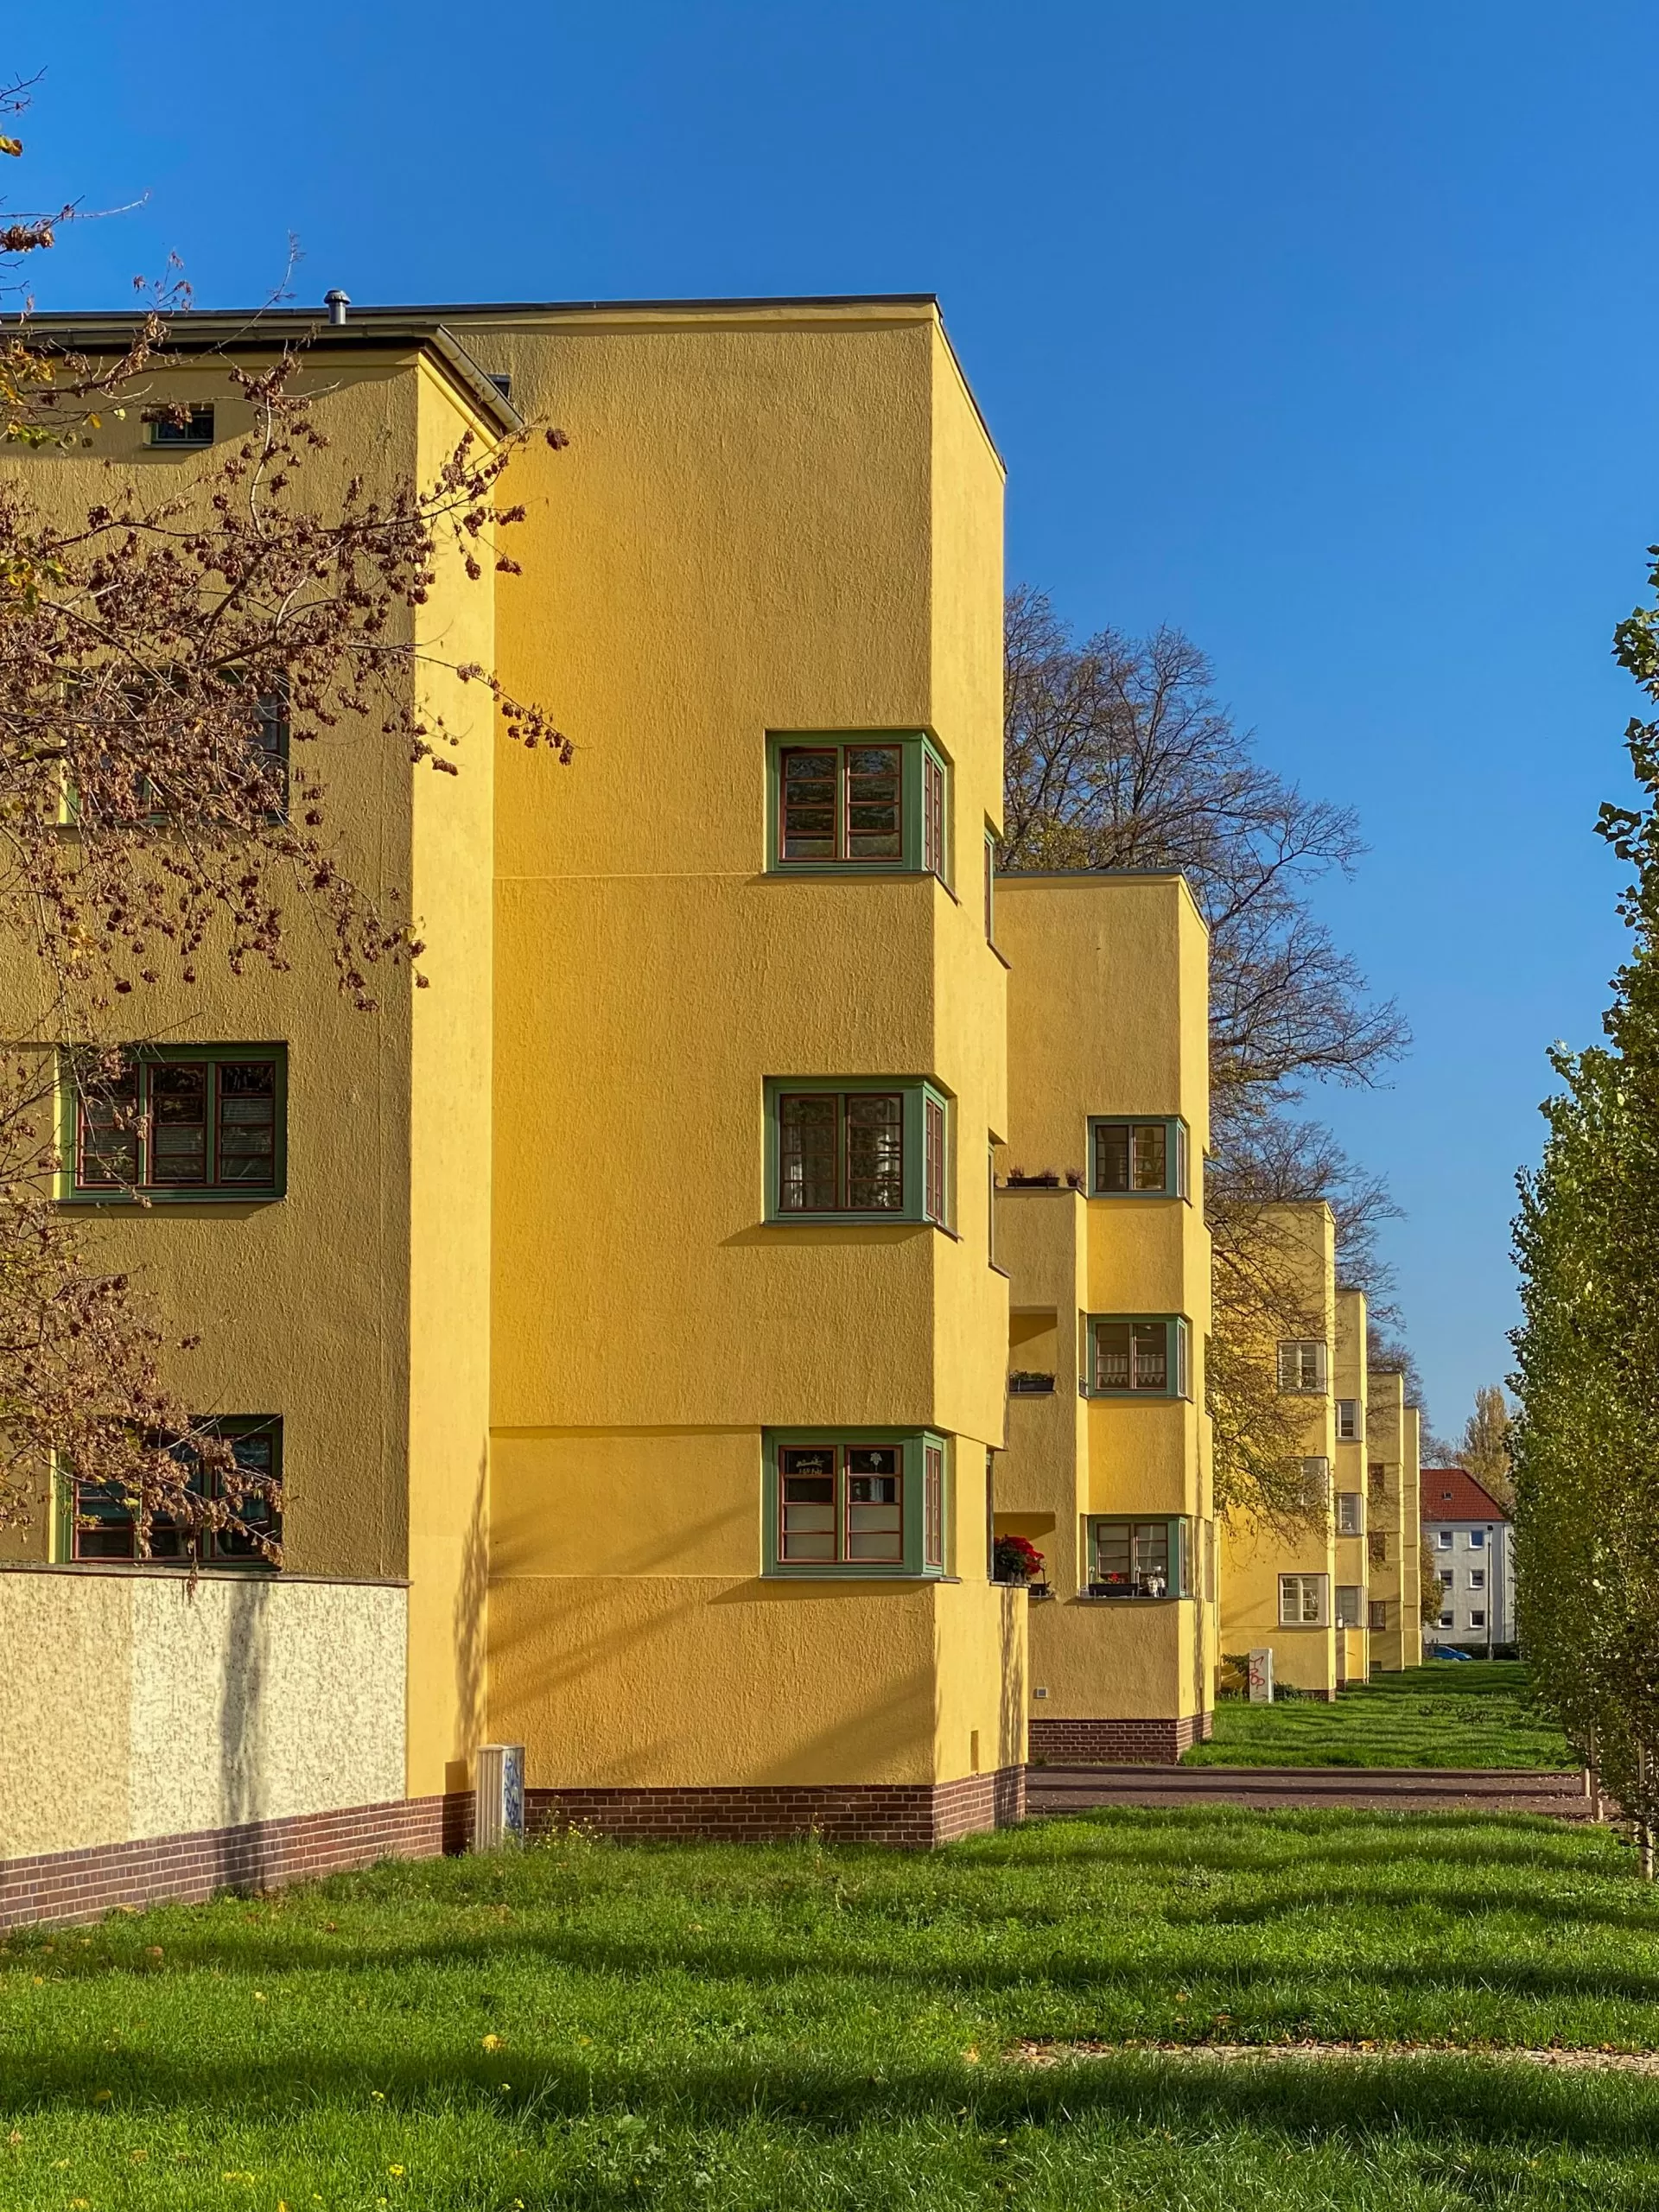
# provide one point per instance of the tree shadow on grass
(1359, 2101)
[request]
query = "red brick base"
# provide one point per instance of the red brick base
(1116, 1742)
(68, 1885)
(258, 1855)
(909, 1815)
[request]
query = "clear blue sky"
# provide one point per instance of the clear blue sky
(1326, 329)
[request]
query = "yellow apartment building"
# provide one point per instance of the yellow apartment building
(1348, 1501)
(630, 1315)
(1394, 1528)
(1278, 1585)
(619, 1312)
(1100, 1225)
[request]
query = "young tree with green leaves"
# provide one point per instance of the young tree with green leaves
(1585, 1441)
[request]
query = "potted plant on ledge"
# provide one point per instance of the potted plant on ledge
(1017, 1561)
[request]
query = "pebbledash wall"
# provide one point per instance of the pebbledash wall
(164, 1737)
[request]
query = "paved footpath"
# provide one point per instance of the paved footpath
(1371, 1789)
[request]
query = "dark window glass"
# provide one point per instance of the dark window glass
(1112, 1156)
(178, 1126)
(875, 1152)
(247, 1122)
(874, 795)
(807, 1148)
(107, 1134)
(808, 806)
(196, 428)
(112, 1534)
(1151, 1140)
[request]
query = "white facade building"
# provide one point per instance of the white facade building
(1470, 1543)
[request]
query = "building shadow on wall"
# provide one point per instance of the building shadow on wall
(469, 1634)
(244, 1749)
(1011, 1743)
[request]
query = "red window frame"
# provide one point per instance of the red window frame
(933, 1506)
(933, 815)
(846, 806)
(851, 1542)
(934, 1158)
(136, 1092)
(884, 1136)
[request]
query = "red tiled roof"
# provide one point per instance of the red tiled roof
(1449, 1494)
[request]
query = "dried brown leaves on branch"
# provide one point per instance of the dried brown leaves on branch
(1119, 755)
(172, 667)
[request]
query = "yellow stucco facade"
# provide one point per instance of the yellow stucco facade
(1107, 1469)
(621, 1414)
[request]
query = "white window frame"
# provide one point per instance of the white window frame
(1350, 1427)
(1477, 1540)
(1300, 1359)
(1442, 1539)
(1447, 1620)
(1294, 1592)
(1350, 1513)
(1477, 1619)
(1478, 1577)
(1354, 1593)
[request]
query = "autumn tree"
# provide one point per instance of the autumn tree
(168, 663)
(1484, 1449)
(1120, 755)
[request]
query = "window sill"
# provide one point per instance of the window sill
(997, 1269)
(144, 1201)
(908, 1575)
(1096, 1598)
(1133, 1397)
(997, 953)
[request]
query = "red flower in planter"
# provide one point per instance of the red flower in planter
(1017, 1559)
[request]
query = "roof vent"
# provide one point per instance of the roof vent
(337, 302)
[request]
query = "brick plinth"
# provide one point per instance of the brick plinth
(256, 1855)
(910, 1816)
(70, 1885)
(1117, 1743)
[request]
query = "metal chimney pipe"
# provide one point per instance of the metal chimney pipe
(337, 302)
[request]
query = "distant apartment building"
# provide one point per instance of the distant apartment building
(1471, 1544)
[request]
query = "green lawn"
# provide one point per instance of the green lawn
(1441, 1715)
(799, 2029)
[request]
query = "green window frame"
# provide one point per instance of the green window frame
(857, 802)
(1133, 1356)
(1137, 1156)
(866, 1149)
(1146, 1557)
(855, 1504)
(184, 1124)
(94, 1522)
